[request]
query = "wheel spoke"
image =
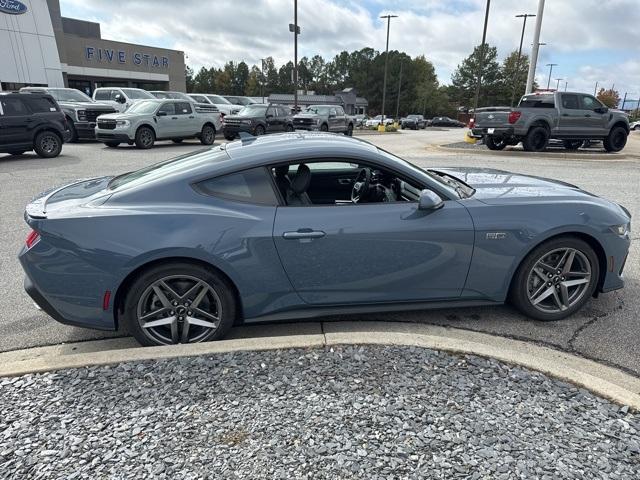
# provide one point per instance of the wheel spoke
(207, 314)
(161, 296)
(184, 338)
(543, 295)
(153, 314)
(175, 337)
(201, 323)
(160, 322)
(191, 291)
(569, 261)
(201, 294)
(171, 291)
(546, 267)
(578, 281)
(564, 296)
(540, 274)
(557, 299)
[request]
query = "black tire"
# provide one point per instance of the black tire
(47, 144)
(208, 134)
(616, 140)
(324, 127)
(229, 136)
(259, 130)
(143, 283)
(145, 138)
(288, 128)
(572, 144)
(518, 294)
(112, 144)
(177, 140)
(536, 139)
(16, 152)
(493, 144)
(349, 132)
(72, 129)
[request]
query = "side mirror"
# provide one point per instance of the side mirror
(161, 113)
(120, 99)
(429, 201)
(601, 110)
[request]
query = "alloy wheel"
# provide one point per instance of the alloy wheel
(146, 137)
(559, 280)
(179, 309)
(49, 143)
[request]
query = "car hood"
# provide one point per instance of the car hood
(495, 186)
(119, 116)
(91, 105)
(306, 115)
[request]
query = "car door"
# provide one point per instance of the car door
(167, 121)
(596, 115)
(572, 117)
(273, 122)
(374, 252)
(186, 119)
(333, 119)
(16, 122)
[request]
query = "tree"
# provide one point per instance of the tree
(188, 74)
(610, 97)
(464, 79)
(254, 82)
(271, 76)
(512, 74)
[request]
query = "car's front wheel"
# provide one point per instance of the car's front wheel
(179, 303)
(47, 144)
(207, 135)
(536, 139)
(616, 140)
(145, 138)
(556, 279)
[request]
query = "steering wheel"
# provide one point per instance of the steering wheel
(360, 189)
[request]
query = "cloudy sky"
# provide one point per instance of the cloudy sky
(591, 40)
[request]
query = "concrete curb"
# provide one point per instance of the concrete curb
(602, 380)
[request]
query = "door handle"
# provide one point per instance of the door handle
(303, 233)
(191, 116)
(345, 181)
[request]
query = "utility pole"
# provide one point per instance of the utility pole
(262, 79)
(565, 85)
(558, 83)
(624, 100)
(386, 63)
(295, 29)
(399, 84)
(481, 62)
(595, 89)
(533, 61)
(516, 74)
(550, 65)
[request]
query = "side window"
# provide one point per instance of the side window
(590, 103)
(271, 111)
(340, 110)
(570, 102)
(103, 95)
(13, 107)
(283, 112)
(332, 111)
(43, 104)
(169, 108)
(183, 108)
(115, 93)
(251, 186)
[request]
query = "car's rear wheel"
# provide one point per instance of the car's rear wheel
(179, 303)
(556, 279)
(48, 144)
(207, 135)
(616, 140)
(145, 138)
(259, 130)
(324, 127)
(494, 143)
(536, 140)
(572, 144)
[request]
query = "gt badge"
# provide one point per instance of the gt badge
(496, 235)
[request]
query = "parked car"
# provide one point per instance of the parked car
(377, 120)
(567, 116)
(326, 118)
(252, 231)
(32, 122)
(199, 106)
(222, 104)
(81, 110)
(359, 119)
(147, 121)
(120, 98)
(634, 125)
(239, 100)
(413, 122)
(258, 119)
(446, 122)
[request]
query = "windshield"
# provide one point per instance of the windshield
(136, 94)
(160, 94)
(70, 95)
(252, 111)
(318, 110)
(414, 116)
(168, 167)
(219, 99)
(143, 107)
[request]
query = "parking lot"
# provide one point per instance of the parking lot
(607, 329)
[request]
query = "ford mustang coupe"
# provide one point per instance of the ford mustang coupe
(296, 225)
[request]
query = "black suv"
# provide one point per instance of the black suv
(258, 119)
(414, 122)
(32, 122)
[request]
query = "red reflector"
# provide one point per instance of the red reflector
(32, 238)
(106, 299)
(514, 117)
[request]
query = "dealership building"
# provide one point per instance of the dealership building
(40, 47)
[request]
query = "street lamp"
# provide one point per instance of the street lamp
(386, 62)
(295, 29)
(558, 83)
(516, 74)
(481, 62)
(550, 65)
(565, 85)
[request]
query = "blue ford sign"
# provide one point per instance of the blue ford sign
(13, 7)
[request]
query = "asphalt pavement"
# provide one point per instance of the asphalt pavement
(606, 330)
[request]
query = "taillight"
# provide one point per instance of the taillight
(472, 121)
(514, 116)
(32, 238)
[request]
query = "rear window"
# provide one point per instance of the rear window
(12, 106)
(42, 105)
(251, 186)
(103, 94)
(537, 101)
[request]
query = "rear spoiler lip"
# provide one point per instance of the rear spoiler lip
(37, 209)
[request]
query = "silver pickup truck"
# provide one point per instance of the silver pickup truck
(146, 121)
(326, 118)
(539, 117)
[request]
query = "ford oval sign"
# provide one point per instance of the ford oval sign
(13, 7)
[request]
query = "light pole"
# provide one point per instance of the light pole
(386, 63)
(262, 79)
(481, 62)
(533, 61)
(624, 100)
(399, 84)
(550, 65)
(565, 85)
(595, 89)
(295, 29)
(516, 74)
(558, 83)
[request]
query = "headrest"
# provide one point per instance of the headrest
(281, 171)
(301, 181)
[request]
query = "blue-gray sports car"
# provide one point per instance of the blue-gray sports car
(296, 225)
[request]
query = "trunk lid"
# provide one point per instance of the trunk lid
(492, 117)
(68, 197)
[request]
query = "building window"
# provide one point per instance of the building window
(10, 86)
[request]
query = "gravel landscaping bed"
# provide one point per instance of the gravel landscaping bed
(349, 412)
